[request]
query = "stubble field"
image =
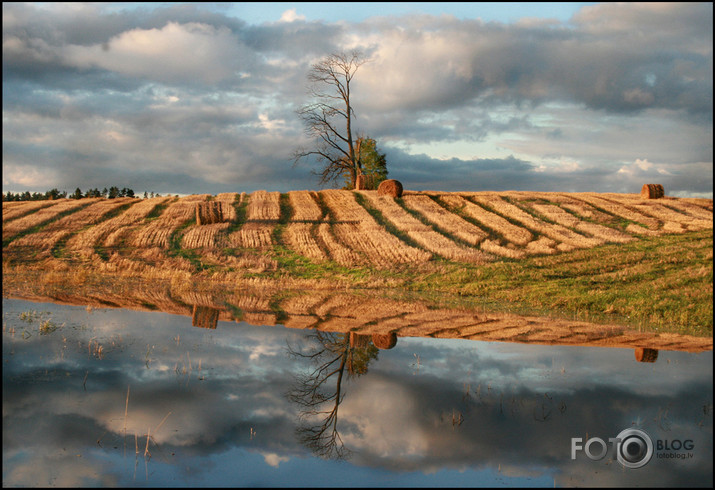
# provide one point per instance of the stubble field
(588, 254)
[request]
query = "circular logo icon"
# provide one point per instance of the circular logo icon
(634, 448)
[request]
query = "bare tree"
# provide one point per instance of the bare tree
(333, 354)
(328, 120)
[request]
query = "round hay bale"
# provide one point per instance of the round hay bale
(390, 187)
(361, 182)
(647, 191)
(652, 191)
(646, 355)
(384, 341)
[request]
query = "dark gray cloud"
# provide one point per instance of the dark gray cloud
(607, 63)
(206, 102)
(423, 172)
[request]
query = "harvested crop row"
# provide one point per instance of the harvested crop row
(699, 202)
(381, 248)
(366, 310)
(161, 299)
(264, 206)
(450, 222)
(568, 238)
(338, 252)
(668, 215)
(250, 302)
(130, 218)
(343, 207)
(359, 231)
(7, 205)
(412, 321)
(621, 210)
(560, 216)
(14, 227)
(195, 298)
(425, 236)
(49, 236)
(542, 245)
(335, 305)
(229, 201)
(194, 198)
(85, 241)
(582, 209)
(206, 233)
(262, 214)
(249, 261)
(157, 233)
(203, 236)
(304, 206)
(253, 234)
(493, 247)
(234, 200)
(229, 197)
(15, 209)
(118, 262)
(509, 231)
(692, 209)
(304, 303)
(300, 238)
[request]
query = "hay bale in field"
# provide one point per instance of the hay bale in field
(652, 191)
(646, 355)
(209, 212)
(384, 341)
(204, 317)
(390, 187)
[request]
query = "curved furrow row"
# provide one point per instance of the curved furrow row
(158, 232)
(359, 231)
(262, 215)
(348, 227)
(51, 235)
(37, 216)
(107, 232)
(424, 235)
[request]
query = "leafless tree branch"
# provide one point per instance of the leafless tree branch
(329, 119)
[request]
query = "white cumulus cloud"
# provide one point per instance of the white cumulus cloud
(176, 52)
(291, 16)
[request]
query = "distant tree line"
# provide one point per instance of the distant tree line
(110, 193)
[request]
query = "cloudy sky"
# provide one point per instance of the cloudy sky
(202, 98)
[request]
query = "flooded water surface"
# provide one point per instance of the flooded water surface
(111, 397)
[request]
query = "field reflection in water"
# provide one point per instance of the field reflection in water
(115, 397)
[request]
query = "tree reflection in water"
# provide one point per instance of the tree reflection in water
(332, 356)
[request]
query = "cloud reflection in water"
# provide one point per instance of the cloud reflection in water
(471, 413)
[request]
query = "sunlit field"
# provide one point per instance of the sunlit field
(617, 257)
